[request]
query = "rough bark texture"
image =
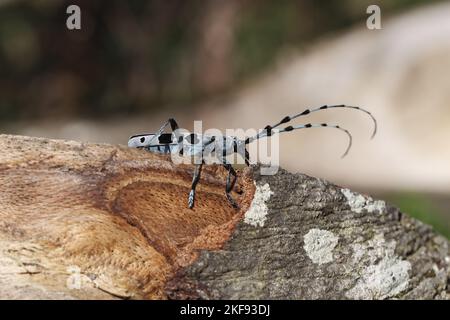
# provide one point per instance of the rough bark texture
(89, 221)
(320, 241)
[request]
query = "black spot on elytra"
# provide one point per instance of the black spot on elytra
(165, 138)
(192, 138)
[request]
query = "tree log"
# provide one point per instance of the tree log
(93, 221)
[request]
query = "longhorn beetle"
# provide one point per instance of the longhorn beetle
(172, 143)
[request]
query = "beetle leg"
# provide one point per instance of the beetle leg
(230, 184)
(195, 180)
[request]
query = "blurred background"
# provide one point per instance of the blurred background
(245, 64)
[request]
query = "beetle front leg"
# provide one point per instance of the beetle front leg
(195, 180)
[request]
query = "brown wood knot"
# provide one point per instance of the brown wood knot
(155, 202)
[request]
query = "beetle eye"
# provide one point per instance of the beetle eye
(142, 140)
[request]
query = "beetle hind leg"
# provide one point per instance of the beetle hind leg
(231, 180)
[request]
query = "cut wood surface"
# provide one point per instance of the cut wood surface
(96, 221)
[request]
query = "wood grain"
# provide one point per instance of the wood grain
(92, 221)
(119, 215)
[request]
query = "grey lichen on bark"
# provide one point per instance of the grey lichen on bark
(305, 238)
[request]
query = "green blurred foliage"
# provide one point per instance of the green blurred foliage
(138, 56)
(427, 208)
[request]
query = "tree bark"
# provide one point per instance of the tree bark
(92, 221)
